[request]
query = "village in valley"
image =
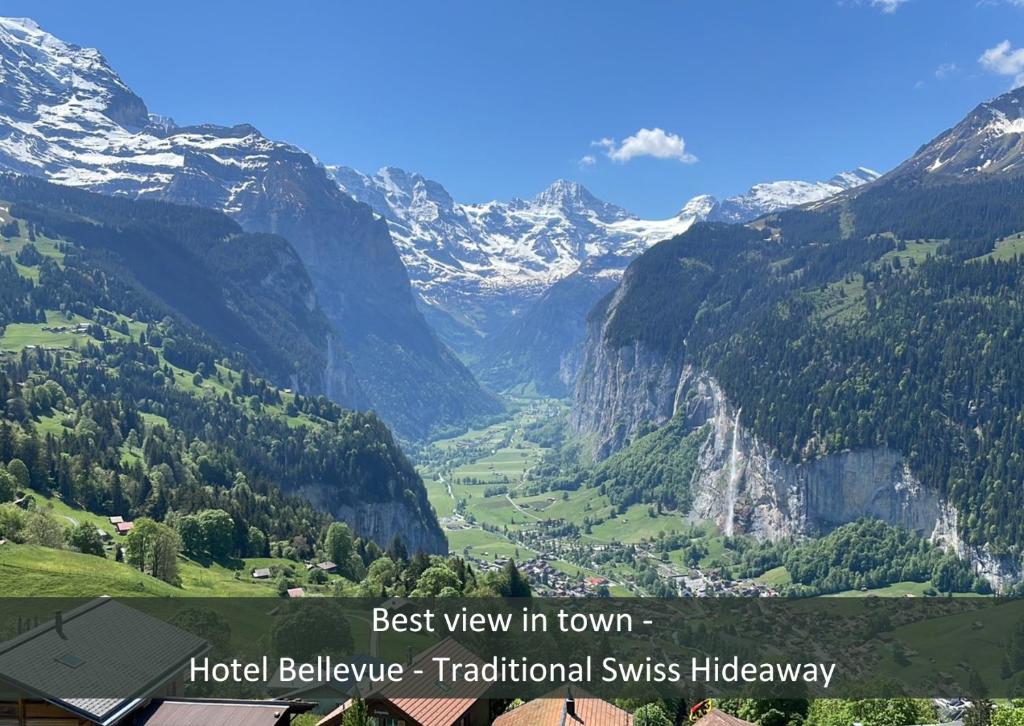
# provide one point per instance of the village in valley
(489, 489)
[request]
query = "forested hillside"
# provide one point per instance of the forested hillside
(133, 383)
(890, 318)
(248, 291)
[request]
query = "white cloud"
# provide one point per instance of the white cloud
(946, 70)
(587, 161)
(887, 6)
(655, 142)
(1005, 60)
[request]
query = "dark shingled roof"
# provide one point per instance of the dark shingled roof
(107, 658)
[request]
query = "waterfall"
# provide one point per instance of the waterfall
(734, 475)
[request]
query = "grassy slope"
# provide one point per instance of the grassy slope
(28, 570)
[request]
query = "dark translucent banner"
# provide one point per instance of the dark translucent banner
(475, 648)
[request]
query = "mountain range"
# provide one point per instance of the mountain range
(483, 276)
(477, 266)
(508, 284)
(824, 350)
(65, 115)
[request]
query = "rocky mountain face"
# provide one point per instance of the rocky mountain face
(629, 379)
(744, 487)
(740, 482)
(476, 266)
(509, 284)
(66, 116)
(988, 143)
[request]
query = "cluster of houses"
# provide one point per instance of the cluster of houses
(700, 583)
(545, 580)
(121, 525)
(79, 328)
(48, 670)
(327, 567)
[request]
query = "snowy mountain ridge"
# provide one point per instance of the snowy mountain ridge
(457, 253)
(67, 117)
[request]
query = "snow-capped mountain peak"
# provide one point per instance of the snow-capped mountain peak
(768, 197)
(565, 193)
(573, 198)
(42, 78)
(699, 207)
(854, 178)
(459, 254)
(989, 142)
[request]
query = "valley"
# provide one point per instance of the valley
(494, 501)
(623, 326)
(622, 405)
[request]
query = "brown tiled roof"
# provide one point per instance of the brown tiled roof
(550, 711)
(218, 713)
(422, 698)
(720, 718)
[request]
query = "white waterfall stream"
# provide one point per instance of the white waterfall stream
(734, 475)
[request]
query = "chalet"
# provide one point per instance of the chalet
(421, 700)
(327, 566)
(47, 674)
(296, 592)
(124, 527)
(262, 573)
(117, 519)
(104, 535)
(562, 708)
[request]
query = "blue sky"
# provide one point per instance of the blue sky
(497, 99)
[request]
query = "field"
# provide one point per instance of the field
(42, 571)
(843, 301)
(896, 589)
(775, 577)
(1008, 248)
(30, 571)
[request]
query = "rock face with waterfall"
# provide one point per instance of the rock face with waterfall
(746, 489)
(851, 408)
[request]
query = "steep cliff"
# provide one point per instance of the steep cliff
(743, 487)
(850, 407)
